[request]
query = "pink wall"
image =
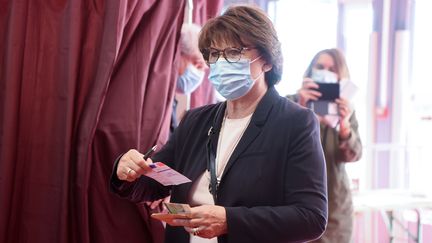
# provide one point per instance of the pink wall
(378, 231)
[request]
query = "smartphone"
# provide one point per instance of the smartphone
(329, 91)
(323, 107)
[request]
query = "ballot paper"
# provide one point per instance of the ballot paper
(165, 175)
(347, 91)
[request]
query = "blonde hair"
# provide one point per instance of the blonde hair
(340, 65)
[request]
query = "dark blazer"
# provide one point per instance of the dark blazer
(274, 185)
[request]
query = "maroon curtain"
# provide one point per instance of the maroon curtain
(80, 82)
(202, 11)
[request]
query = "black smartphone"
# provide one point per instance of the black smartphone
(329, 91)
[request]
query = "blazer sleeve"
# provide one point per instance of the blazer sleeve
(303, 213)
(141, 190)
(145, 188)
(350, 150)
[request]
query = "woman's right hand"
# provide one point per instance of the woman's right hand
(132, 165)
(307, 93)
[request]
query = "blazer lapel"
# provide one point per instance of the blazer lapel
(216, 125)
(196, 170)
(255, 126)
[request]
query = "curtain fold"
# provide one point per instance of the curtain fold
(80, 83)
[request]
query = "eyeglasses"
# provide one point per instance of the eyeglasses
(231, 54)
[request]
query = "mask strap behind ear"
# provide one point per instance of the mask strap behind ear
(262, 71)
(255, 79)
(255, 59)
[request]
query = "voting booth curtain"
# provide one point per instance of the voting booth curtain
(80, 83)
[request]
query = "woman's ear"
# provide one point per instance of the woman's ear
(267, 67)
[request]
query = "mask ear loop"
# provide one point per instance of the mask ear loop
(259, 76)
(255, 59)
(262, 71)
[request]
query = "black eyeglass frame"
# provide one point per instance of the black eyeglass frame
(206, 53)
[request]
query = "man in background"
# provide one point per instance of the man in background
(191, 68)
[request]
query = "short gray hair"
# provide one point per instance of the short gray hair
(189, 39)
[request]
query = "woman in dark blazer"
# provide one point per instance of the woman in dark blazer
(256, 163)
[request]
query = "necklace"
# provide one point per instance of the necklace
(229, 137)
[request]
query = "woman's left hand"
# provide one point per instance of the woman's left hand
(207, 221)
(345, 113)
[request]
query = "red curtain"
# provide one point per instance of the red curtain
(80, 82)
(202, 11)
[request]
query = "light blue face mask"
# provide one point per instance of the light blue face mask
(190, 79)
(232, 80)
(324, 76)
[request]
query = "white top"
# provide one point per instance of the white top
(231, 132)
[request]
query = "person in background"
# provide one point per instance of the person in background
(341, 143)
(192, 66)
(254, 179)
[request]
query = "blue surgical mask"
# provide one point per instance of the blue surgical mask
(324, 76)
(190, 79)
(232, 80)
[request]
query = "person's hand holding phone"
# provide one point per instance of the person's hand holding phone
(307, 92)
